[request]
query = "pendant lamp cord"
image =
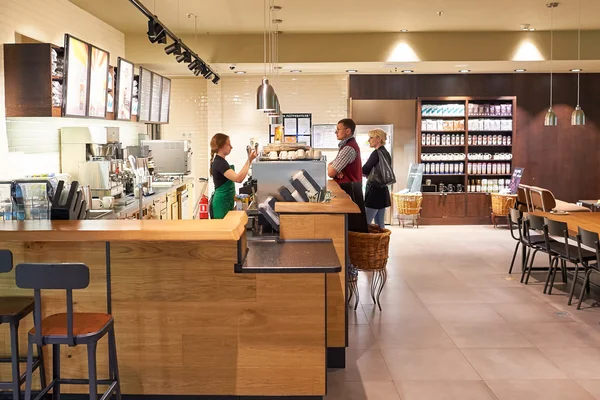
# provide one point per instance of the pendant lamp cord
(578, 51)
(265, 36)
(551, 50)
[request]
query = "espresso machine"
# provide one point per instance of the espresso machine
(93, 156)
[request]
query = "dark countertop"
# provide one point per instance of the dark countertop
(290, 256)
(129, 204)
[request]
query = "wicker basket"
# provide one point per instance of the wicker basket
(408, 204)
(369, 251)
(502, 203)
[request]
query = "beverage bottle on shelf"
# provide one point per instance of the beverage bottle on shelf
(461, 168)
(478, 186)
(469, 186)
(508, 140)
(469, 140)
(462, 140)
(438, 140)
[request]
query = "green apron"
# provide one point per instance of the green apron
(222, 200)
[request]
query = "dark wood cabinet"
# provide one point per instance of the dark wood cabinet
(455, 209)
(432, 206)
(479, 205)
(455, 205)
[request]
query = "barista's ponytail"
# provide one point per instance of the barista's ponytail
(216, 143)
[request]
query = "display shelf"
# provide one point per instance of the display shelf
(470, 209)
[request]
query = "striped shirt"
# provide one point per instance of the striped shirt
(344, 157)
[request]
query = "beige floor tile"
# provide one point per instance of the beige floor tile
(445, 295)
(450, 313)
(362, 366)
(478, 335)
(361, 337)
(411, 335)
(540, 389)
(506, 364)
(357, 317)
(578, 362)
(519, 295)
(361, 391)
(559, 334)
(398, 313)
(444, 390)
(494, 280)
(592, 386)
(429, 364)
(530, 313)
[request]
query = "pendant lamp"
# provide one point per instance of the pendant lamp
(277, 110)
(265, 94)
(550, 119)
(578, 116)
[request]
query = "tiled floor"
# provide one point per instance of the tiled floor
(455, 325)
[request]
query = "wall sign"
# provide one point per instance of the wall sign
(124, 89)
(297, 128)
(77, 68)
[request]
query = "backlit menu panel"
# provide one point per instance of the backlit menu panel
(145, 94)
(77, 67)
(156, 95)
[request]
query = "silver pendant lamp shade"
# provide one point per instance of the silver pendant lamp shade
(277, 110)
(265, 97)
(578, 116)
(550, 119)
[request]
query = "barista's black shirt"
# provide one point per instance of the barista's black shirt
(219, 167)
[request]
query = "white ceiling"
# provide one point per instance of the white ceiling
(303, 16)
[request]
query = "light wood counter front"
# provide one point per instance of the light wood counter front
(326, 221)
(186, 323)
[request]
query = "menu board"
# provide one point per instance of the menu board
(324, 136)
(124, 89)
(155, 99)
(144, 96)
(165, 99)
(77, 67)
(98, 83)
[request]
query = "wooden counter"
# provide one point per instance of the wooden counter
(186, 323)
(326, 221)
(586, 220)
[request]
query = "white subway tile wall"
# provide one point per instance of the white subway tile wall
(230, 108)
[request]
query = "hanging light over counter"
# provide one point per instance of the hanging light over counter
(265, 97)
(551, 119)
(578, 116)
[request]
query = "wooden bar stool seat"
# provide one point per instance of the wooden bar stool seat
(12, 310)
(70, 328)
(86, 327)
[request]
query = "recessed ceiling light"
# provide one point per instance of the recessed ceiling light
(404, 30)
(520, 70)
(464, 71)
(531, 29)
(576, 70)
(240, 72)
(295, 71)
(407, 71)
(351, 70)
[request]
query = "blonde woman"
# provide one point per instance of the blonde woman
(377, 197)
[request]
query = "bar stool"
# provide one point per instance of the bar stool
(71, 329)
(12, 311)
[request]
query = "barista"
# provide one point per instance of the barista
(224, 175)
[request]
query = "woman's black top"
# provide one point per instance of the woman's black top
(219, 167)
(376, 197)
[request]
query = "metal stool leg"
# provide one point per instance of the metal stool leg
(14, 352)
(56, 371)
(41, 367)
(382, 280)
(29, 374)
(91, 350)
(114, 361)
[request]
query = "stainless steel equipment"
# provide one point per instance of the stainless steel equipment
(271, 175)
(171, 157)
(92, 155)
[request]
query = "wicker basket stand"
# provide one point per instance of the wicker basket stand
(408, 207)
(501, 205)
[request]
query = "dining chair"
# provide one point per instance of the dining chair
(515, 223)
(591, 240)
(535, 242)
(563, 252)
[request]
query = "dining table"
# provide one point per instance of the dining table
(587, 220)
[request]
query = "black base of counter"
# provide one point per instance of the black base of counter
(8, 396)
(336, 357)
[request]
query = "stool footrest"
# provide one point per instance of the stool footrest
(23, 377)
(105, 396)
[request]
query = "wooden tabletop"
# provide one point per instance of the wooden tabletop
(229, 228)
(586, 220)
(341, 204)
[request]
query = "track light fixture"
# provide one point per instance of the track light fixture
(158, 33)
(173, 48)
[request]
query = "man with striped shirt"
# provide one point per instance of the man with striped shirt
(346, 165)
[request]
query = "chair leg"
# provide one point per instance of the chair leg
(555, 271)
(563, 269)
(56, 371)
(526, 253)
(356, 295)
(512, 263)
(14, 353)
(530, 266)
(91, 350)
(42, 368)
(572, 291)
(586, 280)
(550, 272)
(114, 361)
(29, 374)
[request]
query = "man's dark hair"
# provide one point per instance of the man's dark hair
(348, 123)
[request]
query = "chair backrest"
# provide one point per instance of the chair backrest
(558, 228)
(6, 261)
(542, 199)
(39, 277)
(589, 239)
(523, 197)
(515, 219)
(535, 222)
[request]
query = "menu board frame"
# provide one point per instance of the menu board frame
(149, 100)
(154, 76)
(105, 90)
(67, 75)
(119, 88)
(162, 93)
